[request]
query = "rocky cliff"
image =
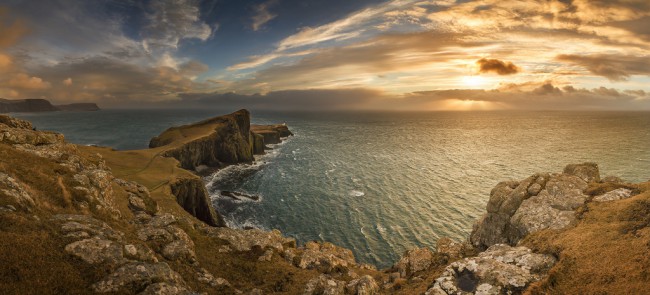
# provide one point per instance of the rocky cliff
(78, 220)
(194, 198)
(33, 105)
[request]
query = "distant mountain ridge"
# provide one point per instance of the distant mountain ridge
(32, 105)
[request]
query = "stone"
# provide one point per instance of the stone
(96, 251)
(205, 277)
(366, 285)
(137, 276)
(12, 188)
(449, 247)
(617, 194)
(136, 203)
(245, 240)
(15, 122)
(541, 201)
(413, 261)
(267, 256)
(325, 257)
(501, 269)
(325, 285)
(586, 171)
(165, 289)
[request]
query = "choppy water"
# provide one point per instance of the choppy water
(380, 183)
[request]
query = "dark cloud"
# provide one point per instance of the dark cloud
(314, 100)
(544, 97)
(612, 67)
(170, 21)
(639, 27)
(525, 96)
(497, 66)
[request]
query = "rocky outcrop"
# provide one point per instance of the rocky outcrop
(272, 134)
(501, 269)
(227, 142)
(542, 201)
(192, 195)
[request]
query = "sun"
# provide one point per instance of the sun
(473, 81)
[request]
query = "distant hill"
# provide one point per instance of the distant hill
(86, 106)
(32, 105)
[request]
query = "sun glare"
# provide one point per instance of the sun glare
(473, 81)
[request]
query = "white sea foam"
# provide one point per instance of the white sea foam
(356, 193)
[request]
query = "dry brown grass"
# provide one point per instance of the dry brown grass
(606, 253)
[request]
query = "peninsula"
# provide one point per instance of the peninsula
(35, 105)
(82, 219)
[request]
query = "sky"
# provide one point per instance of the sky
(329, 54)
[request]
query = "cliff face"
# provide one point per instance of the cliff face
(193, 197)
(221, 141)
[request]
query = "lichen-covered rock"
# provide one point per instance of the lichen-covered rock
(137, 276)
(413, 261)
(366, 285)
(165, 289)
(501, 269)
(542, 201)
(182, 248)
(449, 247)
(617, 194)
(30, 137)
(96, 251)
(326, 257)
(11, 188)
(245, 240)
(15, 122)
(73, 225)
(586, 171)
(324, 285)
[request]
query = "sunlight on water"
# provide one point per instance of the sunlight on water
(381, 183)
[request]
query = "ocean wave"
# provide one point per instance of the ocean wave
(356, 193)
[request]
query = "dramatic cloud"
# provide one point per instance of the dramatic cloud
(23, 81)
(262, 14)
(496, 66)
(170, 21)
(529, 96)
(613, 67)
(10, 29)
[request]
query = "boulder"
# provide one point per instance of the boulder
(365, 285)
(96, 251)
(586, 171)
(11, 188)
(614, 195)
(324, 285)
(245, 240)
(325, 257)
(501, 269)
(16, 123)
(541, 201)
(136, 276)
(413, 261)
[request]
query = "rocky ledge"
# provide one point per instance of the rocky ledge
(77, 220)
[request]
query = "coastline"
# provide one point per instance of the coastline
(136, 194)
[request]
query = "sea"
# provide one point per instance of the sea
(380, 183)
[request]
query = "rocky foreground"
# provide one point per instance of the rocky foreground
(83, 220)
